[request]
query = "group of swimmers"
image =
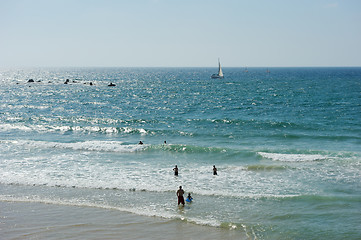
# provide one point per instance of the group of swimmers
(180, 191)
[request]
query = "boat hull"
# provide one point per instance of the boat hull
(216, 76)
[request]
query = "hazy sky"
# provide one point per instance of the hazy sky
(180, 33)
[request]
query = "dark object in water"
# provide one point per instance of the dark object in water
(30, 80)
(111, 85)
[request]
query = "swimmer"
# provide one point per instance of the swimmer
(189, 198)
(175, 169)
(180, 193)
(214, 170)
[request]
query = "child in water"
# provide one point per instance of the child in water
(189, 198)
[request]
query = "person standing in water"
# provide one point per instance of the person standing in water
(175, 169)
(189, 198)
(180, 194)
(214, 170)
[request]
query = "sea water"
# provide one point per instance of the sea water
(286, 143)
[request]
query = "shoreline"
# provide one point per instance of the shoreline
(19, 220)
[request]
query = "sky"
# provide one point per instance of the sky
(180, 33)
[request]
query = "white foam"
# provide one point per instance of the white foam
(63, 129)
(241, 195)
(7, 127)
(144, 211)
(105, 146)
(292, 157)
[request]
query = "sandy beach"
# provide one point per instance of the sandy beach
(46, 221)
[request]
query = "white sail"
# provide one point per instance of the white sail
(220, 73)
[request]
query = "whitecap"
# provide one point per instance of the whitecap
(104, 146)
(292, 157)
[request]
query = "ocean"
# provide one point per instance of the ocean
(286, 144)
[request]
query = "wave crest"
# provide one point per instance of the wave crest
(65, 129)
(102, 146)
(292, 157)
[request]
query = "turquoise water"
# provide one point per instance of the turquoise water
(286, 145)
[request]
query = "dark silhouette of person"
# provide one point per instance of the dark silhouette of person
(175, 169)
(140, 143)
(189, 198)
(214, 170)
(180, 193)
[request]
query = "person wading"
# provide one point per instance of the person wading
(180, 194)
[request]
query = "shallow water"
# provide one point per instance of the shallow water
(46, 221)
(286, 146)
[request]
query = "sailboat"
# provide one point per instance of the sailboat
(220, 73)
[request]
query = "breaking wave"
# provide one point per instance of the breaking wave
(101, 146)
(64, 129)
(292, 157)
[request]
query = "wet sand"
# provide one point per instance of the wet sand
(20, 220)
